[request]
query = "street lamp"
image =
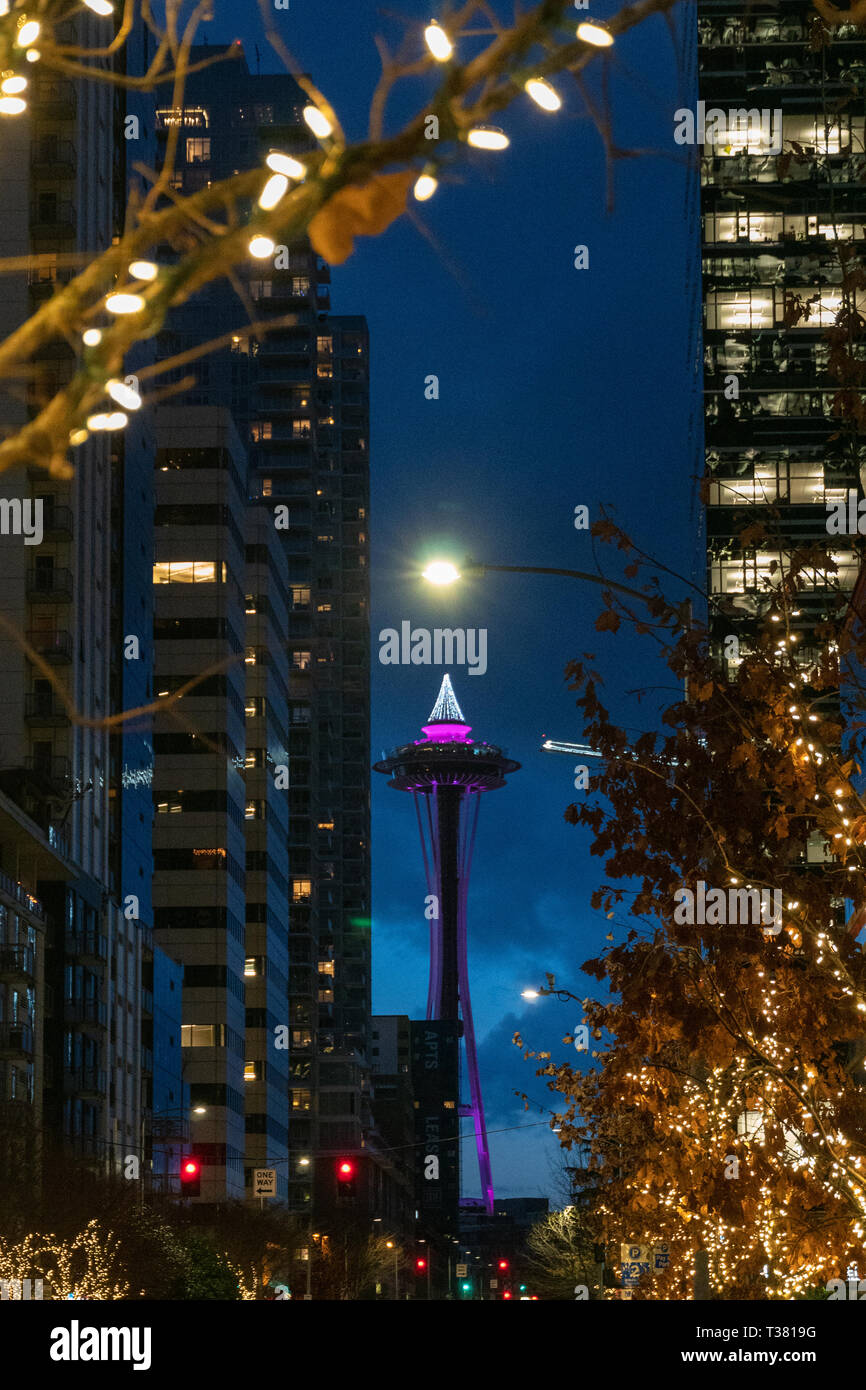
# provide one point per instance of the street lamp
(444, 572)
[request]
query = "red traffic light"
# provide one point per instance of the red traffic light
(420, 1265)
(345, 1169)
(503, 1264)
(507, 1293)
(190, 1177)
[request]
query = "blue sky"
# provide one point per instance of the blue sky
(557, 387)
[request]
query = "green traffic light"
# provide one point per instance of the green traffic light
(523, 1288)
(466, 1287)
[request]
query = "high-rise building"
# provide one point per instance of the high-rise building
(782, 196)
(298, 391)
(76, 842)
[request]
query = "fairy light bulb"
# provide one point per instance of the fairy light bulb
(123, 394)
(273, 191)
(284, 164)
(487, 137)
(100, 7)
(12, 106)
(425, 187)
(143, 270)
(595, 33)
(12, 85)
(28, 32)
(318, 122)
(543, 94)
(107, 420)
(261, 247)
(33, 55)
(124, 303)
(78, 437)
(91, 336)
(438, 42)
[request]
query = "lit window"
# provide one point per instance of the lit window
(262, 429)
(302, 1100)
(300, 428)
(300, 598)
(301, 889)
(250, 966)
(185, 572)
(249, 1071)
(302, 660)
(267, 487)
(325, 371)
(197, 149)
(198, 1035)
(325, 346)
(325, 825)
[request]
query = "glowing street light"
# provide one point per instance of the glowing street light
(441, 572)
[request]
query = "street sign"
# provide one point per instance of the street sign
(461, 1271)
(636, 1260)
(661, 1256)
(265, 1182)
(494, 1283)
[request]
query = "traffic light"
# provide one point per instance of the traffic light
(345, 1170)
(523, 1288)
(466, 1287)
(503, 1264)
(507, 1294)
(190, 1177)
(420, 1265)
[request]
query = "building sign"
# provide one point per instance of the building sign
(194, 117)
(435, 1083)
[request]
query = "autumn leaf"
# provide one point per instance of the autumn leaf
(360, 210)
(608, 621)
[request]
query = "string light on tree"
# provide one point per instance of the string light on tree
(123, 394)
(91, 337)
(284, 164)
(100, 7)
(425, 186)
(318, 122)
(12, 106)
(28, 32)
(261, 247)
(438, 42)
(143, 270)
(543, 94)
(596, 33)
(107, 420)
(122, 303)
(273, 192)
(12, 84)
(487, 137)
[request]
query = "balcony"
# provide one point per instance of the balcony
(85, 1013)
(45, 708)
(57, 523)
(53, 219)
(17, 963)
(90, 948)
(88, 1082)
(55, 159)
(56, 99)
(16, 1041)
(52, 771)
(54, 647)
(49, 585)
(19, 894)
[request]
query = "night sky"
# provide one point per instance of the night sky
(557, 387)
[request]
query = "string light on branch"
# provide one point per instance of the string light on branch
(261, 247)
(101, 7)
(425, 186)
(595, 33)
(273, 191)
(113, 420)
(143, 270)
(438, 42)
(488, 137)
(12, 106)
(33, 55)
(11, 84)
(124, 395)
(543, 94)
(91, 337)
(124, 303)
(318, 122)
(284, 164)
(28, 32)
(78, 437)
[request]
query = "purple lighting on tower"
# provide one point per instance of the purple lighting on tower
(446, 771)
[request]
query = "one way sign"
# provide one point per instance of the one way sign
(265, 1182)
